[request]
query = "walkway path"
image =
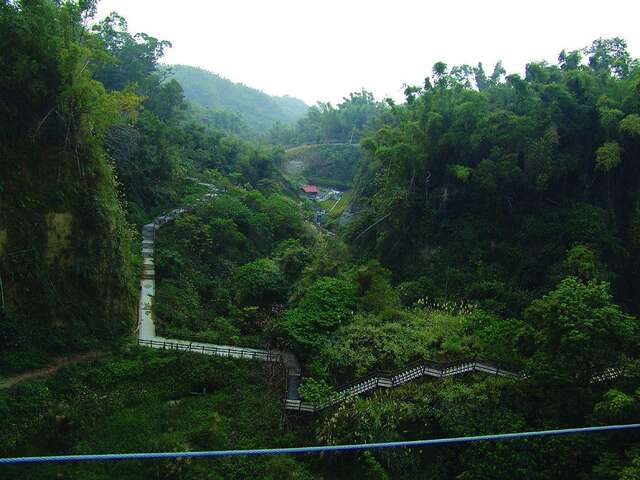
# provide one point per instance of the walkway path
(147, 337)
(146, 327)
(50, 369)
(414, 372)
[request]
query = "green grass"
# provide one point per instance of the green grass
(14, 362)
(145, 401)
(336, 209)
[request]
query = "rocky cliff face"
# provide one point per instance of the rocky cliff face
(66, 261)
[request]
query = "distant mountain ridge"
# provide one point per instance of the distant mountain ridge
(256, 108)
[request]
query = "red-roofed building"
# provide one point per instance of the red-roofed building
(310, 190)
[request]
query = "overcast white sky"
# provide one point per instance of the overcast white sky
(324, 49)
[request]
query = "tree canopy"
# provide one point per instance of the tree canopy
(494, 217)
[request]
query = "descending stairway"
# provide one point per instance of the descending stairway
(414, 372)
(395, 379)
(147, 337)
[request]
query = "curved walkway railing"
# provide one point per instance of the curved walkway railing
(147, 337)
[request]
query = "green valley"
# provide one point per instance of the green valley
(188, 264)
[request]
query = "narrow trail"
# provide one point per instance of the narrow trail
(53, 367)
(147, 337)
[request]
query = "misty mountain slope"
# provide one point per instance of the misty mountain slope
(257, 109)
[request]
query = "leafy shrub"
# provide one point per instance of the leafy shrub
(325, 305)
(315, 391)
(258, 283)
(394, 339)
(608, 156)
(579, 330)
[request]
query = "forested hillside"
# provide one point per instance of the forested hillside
(220, 96)
(323, 146)
(66, 262)
(493, 217)
(328, 165)
(165, 142)
(324, 123)
(494, 188)
(224, 267)
(91, 131)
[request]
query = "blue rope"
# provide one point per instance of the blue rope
(325, 448)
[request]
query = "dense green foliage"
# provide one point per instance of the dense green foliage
(505, 211)
(225, 269)
(66, 270)
(222, 99)
(166, 141)
(481, 192)
(86, 116)
(325, 123)
(328, 165)
(579, 332)
(494, 217)
(149, 401)
(326, 303)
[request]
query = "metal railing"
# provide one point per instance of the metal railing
(377, 379)
(414, 371)
(218, 350)
(385, 379)
(162, 331)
